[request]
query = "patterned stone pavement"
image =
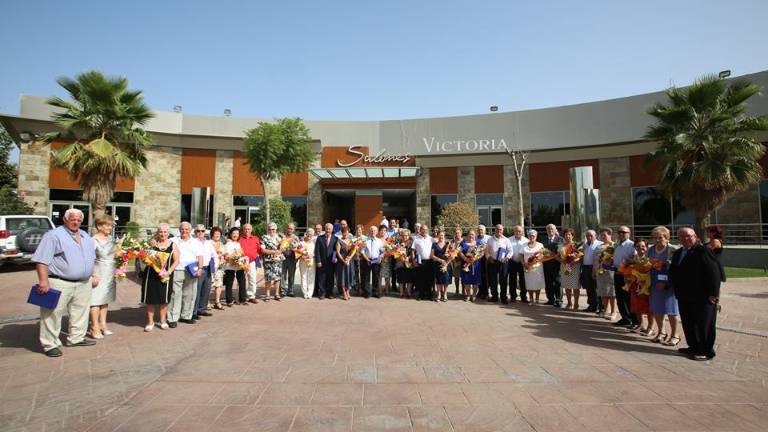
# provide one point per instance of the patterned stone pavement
(381, 364)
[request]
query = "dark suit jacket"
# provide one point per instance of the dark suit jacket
(553, 247)
(323, 253)
(697, 277)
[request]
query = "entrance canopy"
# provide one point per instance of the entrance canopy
(365, 172)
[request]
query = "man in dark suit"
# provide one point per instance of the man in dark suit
(695, 276)
(325, 245)
(552, 268)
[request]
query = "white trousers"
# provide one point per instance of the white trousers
(251, 290)
(307, 272)
(182, 303)
(76, 299)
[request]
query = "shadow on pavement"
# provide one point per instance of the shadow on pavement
(14, 268)
(24, 335)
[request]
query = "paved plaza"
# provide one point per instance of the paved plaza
(381, 364)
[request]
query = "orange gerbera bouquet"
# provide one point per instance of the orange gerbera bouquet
(537, 258)
(637, 275)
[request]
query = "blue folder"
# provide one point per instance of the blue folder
(192, 269)
(48, 300)
(212, 266)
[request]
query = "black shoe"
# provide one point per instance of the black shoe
(205, 313)
(699, 357)
(187, 321)
(195, 317)
(172, 324)
(84, 342)
(525, 300)
(494, 300)
(622, 322)
(53, 352)
(590, 309)
(505, 301)
(550, 303)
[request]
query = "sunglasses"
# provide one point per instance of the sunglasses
(199, 230)
(623, 232)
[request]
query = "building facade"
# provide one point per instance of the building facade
(398, 168)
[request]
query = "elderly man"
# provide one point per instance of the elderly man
(592, 248)
(482, 239)
(423, 271)
(416, 230)
(205, 279)
(497, 252)
(289, 263)
(515, 267)
(552, 268)
(325, 245)
(65, 261)
(252, 249)
(182, 305)
(623, 249)
(695, 275)
(370, 263)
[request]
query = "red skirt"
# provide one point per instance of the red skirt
(639, 304)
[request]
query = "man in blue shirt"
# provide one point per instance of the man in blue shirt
(64, 261)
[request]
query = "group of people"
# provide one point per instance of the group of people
(333, 261)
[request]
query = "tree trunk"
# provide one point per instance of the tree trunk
(702, 220)
(98, 208)
(266, 200)
(520, 209)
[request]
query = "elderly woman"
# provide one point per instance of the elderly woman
(343, 262)
(404, 265)
(355, 264)
(663, 301)
(443, 265)
(157, 286)
(470, 278)
(217, 280)
(104, 293)
(270, 250)
(458, 237)
(603, 273)
(534, 271)
(233, 269)
(306, 264)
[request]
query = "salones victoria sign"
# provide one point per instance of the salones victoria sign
(379, 158)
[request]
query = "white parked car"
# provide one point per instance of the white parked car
(20, 235)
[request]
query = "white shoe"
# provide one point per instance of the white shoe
(164, 326)
(107, 333)
(149, 328)
(96, 335)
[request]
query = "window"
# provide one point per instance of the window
(77, 195)
(489, 208)
(764, 207)
(247, 200)
(298, 210)
(186, 209)
(549, 208)
(438, 201)
(651, 208)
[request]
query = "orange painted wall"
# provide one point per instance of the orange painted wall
(296, 184)
(198, 169)
(59, 177)
(489, 179)
(443, 180)
(367, 208)
(553, 176)
(243, 181)
(640, 174)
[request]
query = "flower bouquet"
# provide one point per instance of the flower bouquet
(356, 246)
(128, 248)
(606, 259)
(157, 260)
(298, 250)
(473, 255)
(537, 258)
(637, 275)
(570, 254)
(450, 254)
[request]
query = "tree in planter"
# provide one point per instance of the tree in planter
(706, 145)
(458, 215)
(102, 126)
(274, 149)
(10, 202)
(281, 216)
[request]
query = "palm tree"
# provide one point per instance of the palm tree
(102, 127)
(706, 145)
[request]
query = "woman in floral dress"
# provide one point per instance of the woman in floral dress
(270, 250)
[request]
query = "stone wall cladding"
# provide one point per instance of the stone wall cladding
(222, 198)
(615, 192)
(511, 203)
(315, 197)
(466, 180)
(34, 173)
(157, 196)
(423, 197)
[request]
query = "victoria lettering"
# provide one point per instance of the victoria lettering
(434, 145)
(381, 157)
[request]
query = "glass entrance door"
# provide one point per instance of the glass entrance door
(252, 213)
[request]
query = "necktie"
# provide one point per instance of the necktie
(682, 255)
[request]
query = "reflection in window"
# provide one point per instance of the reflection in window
(298, 210)
(489, 208)
(549, 207)
(650, 207)
(438, 201)
(764, 207)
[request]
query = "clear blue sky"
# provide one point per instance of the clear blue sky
(371, 60)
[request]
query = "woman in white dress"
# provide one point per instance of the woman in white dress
(569, 272)
(104, 293)
(307, 264)
(534, 274)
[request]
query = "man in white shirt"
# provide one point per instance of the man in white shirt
(497, 253)
(384, 221)
(204, 281)
(482, 239)
(591, 252)
(515, 267)
(416, 230)
(424, 273)
(182, 305)
(370, 263)
(624, 248)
